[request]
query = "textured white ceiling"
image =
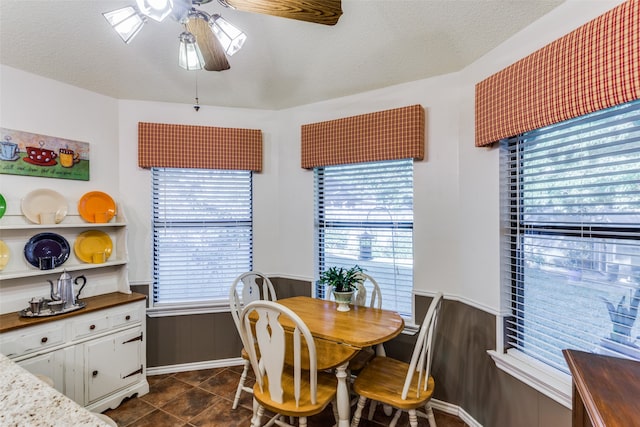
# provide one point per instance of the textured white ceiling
(284, 62)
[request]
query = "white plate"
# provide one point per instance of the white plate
(47, 203)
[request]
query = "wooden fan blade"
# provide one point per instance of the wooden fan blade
(212, 51)
(325, 12)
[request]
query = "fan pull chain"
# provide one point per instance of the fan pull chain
(196, 106)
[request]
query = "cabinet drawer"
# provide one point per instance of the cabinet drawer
(35, 339)
(130, 316)
(89, 326)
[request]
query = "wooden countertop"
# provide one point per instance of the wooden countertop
(12, 321)
(608, 389)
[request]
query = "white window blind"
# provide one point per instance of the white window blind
(202, 233)
(571, 247)
(364, 216)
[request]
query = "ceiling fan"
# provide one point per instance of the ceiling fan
(208, 39)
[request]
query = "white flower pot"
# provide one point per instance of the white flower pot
(343, 299)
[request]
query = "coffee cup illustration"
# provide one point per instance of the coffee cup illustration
(9, 150)
(40, 156)
(68, 157)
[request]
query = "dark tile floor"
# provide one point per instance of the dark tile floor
(203, 399)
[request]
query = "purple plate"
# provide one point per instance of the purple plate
(47, 245)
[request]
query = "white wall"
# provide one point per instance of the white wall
(435, 179)
(479, 215)
(33, 104)
(456, 196)
(136, 182)
(456, 211)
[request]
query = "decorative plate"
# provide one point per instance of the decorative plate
(44, 201)
(4, 254)
(96, 206)
(3, 205)
(47, 245)
(90, 245)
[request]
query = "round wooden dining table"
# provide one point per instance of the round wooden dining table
(340, 335)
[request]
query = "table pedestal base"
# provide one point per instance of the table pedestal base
(342, 396)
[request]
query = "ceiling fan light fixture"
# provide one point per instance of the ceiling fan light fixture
(155, 9)
(231, 37)
(189, 54)
(126, 21)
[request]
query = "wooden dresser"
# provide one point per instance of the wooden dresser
(606, 390)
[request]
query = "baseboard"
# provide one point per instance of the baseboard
(452, 409)
(195, 366)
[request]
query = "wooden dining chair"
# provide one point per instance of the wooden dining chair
(287, 380)
(370, 295)
(404, 386)
(249, 286)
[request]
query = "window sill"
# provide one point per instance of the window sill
(550, 382)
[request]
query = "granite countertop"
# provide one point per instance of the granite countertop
(26, 401)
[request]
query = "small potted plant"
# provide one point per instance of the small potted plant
(344, 282)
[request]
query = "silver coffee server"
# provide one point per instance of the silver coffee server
(63, 290)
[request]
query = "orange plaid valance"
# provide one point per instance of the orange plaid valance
(199, 147)
(384, 135)
(594, 67)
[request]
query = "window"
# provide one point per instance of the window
(571, 247)
(364, 216)
(202, 233)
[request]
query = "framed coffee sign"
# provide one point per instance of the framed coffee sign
(30, 154)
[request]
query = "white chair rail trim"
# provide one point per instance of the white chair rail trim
(464, 300)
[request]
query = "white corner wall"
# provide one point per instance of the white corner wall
(34, 104)
(479, 213)
(435, 179)
(136, 182)
(456, 186)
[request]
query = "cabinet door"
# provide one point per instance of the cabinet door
(50, 365)
(113, 362)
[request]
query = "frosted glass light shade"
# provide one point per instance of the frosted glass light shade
(127, 22)
(231, 37)
(189, 54)
(155, 9)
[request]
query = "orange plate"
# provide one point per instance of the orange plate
(96, 206)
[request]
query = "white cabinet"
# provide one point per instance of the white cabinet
(97, 358)
(50, 365)
(95, 355)
(112, 363)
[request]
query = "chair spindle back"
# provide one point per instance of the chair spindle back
(423, 350)
(270, 335)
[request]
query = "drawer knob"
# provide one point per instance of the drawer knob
(94, 373)
(127, 317)
(44, 340)
(92, 327)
